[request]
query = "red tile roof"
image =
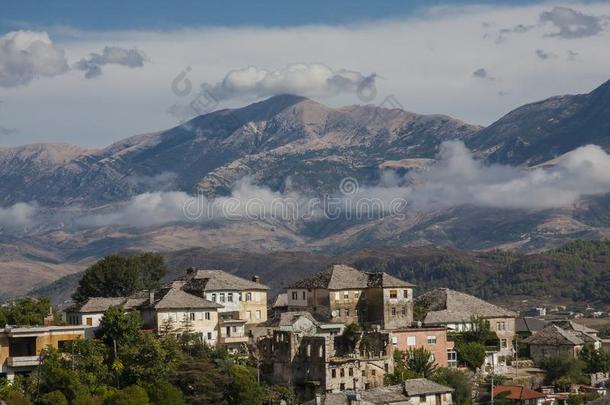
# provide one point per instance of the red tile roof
(516, 392)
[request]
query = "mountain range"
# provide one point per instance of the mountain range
(290, 144)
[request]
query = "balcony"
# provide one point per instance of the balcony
(233, 339)
(23, 361)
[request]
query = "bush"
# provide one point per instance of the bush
(472, 354)
(458, 381)
(53, 398)
(16, 398)
(132, 395)
(163, 393)
(86, 399)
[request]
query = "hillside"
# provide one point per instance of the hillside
(577, 272)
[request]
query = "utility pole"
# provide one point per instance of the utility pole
(493, 372)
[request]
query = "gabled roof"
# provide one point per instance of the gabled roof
(448, 306)
(571, 325)
(553, 335)
(516, 392)
(175, 298)
(343, 277)
(530, 325)
(217, 280)
(102, 304)
(281, 300)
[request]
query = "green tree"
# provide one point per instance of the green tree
(401, 371)
(27, 312)
(243, 389)
(54, 376)
(88, 358)
(420, 362)
(596, 360)
(202, 382)
(162, 393)
(118, 276)
(53, 398)
(132, 395)
(87, 399)
(120, 327)
(278, 393)
(471, 353)
(458, 381)
(145, 361)
(563, 370)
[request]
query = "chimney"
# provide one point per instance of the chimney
(49, 320)
(151, 297)
(256, 279)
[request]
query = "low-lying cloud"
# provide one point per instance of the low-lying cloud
(27, 55)
(17, 216)
(570, 23)
(111, 55)
(312, 80)
(455, 179)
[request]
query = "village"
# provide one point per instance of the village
(345, 336)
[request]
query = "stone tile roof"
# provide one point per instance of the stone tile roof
(423, 386)
(216, 280)
(553, 335)
(571, 325)
(281, 300)
(102, 304)
(530, 325)
(175, 298)
(343, 277)
(448, 306)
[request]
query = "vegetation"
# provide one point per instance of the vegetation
(27, 312)
(458, 381)
(595, 360)
(562, 371)
(472, 344)
(117, 276)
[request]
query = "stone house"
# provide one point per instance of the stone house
(235, 294)
(20, 347)
(456, 311)
(344, 294)
(90, 312)
(556, 341)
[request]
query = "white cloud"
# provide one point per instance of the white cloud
(17, 216)
(26, 55)
(572, 23)
(111, 55)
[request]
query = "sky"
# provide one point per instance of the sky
(92, 73)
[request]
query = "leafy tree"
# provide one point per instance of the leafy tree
(132, 395)
(458, 381)
(243, 389)
(163, 392)
(563, 370)
(420, 362)
(53, 398)
(87, 399)
(145, 361)
(120, 327)
(278, 393)
(117, 276)
(88, 358)
(596, 360)
(54, 376)
(471, 353)
(27, 312)
(16, 398)
(401, 371)
(201, 382)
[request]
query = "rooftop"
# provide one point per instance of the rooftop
(530, 325)
(553, 335)
(516, 392)
(343, 277)
(217, 280)
(102, 304)
(175, 298)
(448, 306)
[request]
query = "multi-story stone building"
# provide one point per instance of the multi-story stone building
(21, 347)
(235, 294)
(313, 358)
(457, 311)
(347, 295)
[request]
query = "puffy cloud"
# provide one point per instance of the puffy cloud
(312, 80)
(572, 23)
(17, 216)
(111, 55)
(26, 55)
(457, 179)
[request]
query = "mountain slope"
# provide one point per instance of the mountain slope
(537, 132)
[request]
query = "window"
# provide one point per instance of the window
(386, 367)
(295, 295)
(346, 312)
(207, 316)
(345, 295)
(503, 343)
(222, 297)
(394, 340)
(431, 340)
(452, 358)
(393, 311)
(501, 326)
(393, 294)
(89, 321)
(342, 387)
(192, 316)
(304, 295)
(356, 294)
(373, 372)
(214, 297)
(209, 335)
(364, 373)
(248, 296)
(342, 372)
(258, 314)
(333, 373)
(230, 297)
(405, 293)
(337, 296)
(350, 372)
(422, 398)
(410, 340)
(404, 311)
(248, 315)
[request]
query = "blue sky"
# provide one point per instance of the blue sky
(167, 15)
(93, 73)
